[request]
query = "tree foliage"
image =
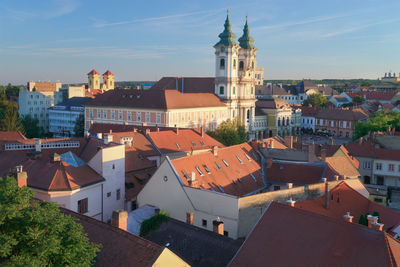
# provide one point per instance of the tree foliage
(380, 121)
(9, 91)
(9, 117)
(358, 100)
(230, 132)
(36, 233)
(153, 223)
(316, 100)
(31, 126)
(79, 128)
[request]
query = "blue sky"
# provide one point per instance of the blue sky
(145, 40)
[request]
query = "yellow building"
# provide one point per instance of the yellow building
(108, 80)
(94, 80)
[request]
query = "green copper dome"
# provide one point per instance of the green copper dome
(246, 41)
(227, 36)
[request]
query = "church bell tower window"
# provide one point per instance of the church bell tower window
(241, 65)
(222, 64)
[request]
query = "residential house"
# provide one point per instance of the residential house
(381, 97)
(308, 118)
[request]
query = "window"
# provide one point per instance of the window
(222, 49)
(204, 223)
(225, 162)
(226, 233)
(367, 165)
(138, 116)
(379, 200)
(367, 180)
(178, 146)
(248, 157)
(234, 63)
(221, 90)
(252, 64)
(222, 64)
(129, 116)
(91, 114)
(240, 160)
(109, 194)
(207, 169)
(378, 166)
(83, 206)
(234, 90)
(218, 165)
(276, 187)
(104, 114)
(252, 90)
(148, 117)
(241, 65)
(118, 194)
(158, 118)
(380, 180)
(391, 167)
(120, 115)
(254, 178)
(113, 166)
(112, 114)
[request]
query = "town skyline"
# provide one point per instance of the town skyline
(295, 40)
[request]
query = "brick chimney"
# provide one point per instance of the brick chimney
(38, 145)
(120, 219)
(336, 177)
(290, 202)
(218, 226)
(21, 176)
(55, 157)
(372, 219)
(215, 150)
(176, 130)
(147, 131)
(269, 162)
(377, 226)
(289, 141)
(348, 218)
(323, 154)
(189, 218)
(289, 185)
(325, 181)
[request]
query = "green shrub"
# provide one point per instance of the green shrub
(153, 223)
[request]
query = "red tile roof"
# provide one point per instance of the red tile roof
(93, 72)
(373, 95)
(119, 248)
(106, 127)
(355, 114)
(45, 87)
(187, 139)
(11, 136)
(237, 179)
(349, 201)
(92, 93)
(272, 103)
(287, 236)
(155, 99)
(189, 84)
(370, 149)
(275, 142)
(109, 73)
(343, 166)
(308, 111)
(329, 149)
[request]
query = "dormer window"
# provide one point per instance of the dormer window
(199, 171)
(222, 64)
(225, 162)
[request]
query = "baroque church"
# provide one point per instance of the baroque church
(189, 102)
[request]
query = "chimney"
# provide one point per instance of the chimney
(189, 218)
(215, 150)
(331, 141)
(55, 157)
(269, 163)
(176, 130)
(120, 219)
(99, 135)
(158, 129)
(290, 202)
(108, 138)
(326, 192)
(271, 143)
(289, 141)
(377, 226)
(21, 176)
(135, 130)
(311, 153)
(192, 179)
(218, 226)
(202, 131)
(289, 185)
(323, 154)
(348, 218)
(38, 145)
(336, 177)
(147, 131)
(371, 219)
(343, 177)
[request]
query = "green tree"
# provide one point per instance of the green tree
(10, 117)
(36, 233)
(362, 220)
(79, 128)
(380, 121)
(12, 90)
(316, 100)
(230, 133)
(3, 95)
(31, 126)
(358, 100)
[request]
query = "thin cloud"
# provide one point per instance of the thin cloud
(99, 24)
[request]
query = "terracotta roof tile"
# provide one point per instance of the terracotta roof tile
(45, 87)
(11, 136)
(93, 72)
(189, 84)
(373, 95)
(119, 248)
(310, 239)
(107, 127)
(242, 175)
(169, 141)
(109, 73)
(355, 114)
(272, 103)
(349, 201)
(343, 166)
(370, 149)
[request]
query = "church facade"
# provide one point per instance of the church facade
(190, 102)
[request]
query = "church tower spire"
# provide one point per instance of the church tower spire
(246, 41)
(227, 37)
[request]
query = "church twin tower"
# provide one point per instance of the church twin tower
(236, 73)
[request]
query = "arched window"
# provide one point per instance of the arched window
(252, 64)
(241, 65)
(222, 63)
(234, 63)
(234, 90)
(221, 90)
(248, 114)
(252, 90)
(279, 121)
